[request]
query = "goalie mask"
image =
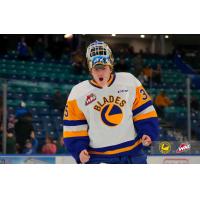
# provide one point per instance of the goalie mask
(99, 54)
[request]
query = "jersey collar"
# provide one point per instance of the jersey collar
(110, 81)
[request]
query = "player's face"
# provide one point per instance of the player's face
(102, 75)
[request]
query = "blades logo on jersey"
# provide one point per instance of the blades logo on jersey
(111, 110)
(111, 115)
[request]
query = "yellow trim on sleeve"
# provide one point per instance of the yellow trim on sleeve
(145, 116)
(72, 111)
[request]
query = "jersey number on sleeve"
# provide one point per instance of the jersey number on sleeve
(66, 111)
(144, 94)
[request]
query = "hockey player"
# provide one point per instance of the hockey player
(110, 118)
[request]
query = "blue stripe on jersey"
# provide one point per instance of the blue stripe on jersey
(141, 108)
(148, 126)
(114, 147)
(74, 122)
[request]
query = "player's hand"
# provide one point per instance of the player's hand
(146, 140)
(84, 156)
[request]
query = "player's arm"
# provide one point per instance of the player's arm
(144, 115)
(75, 130)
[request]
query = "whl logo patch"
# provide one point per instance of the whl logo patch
(183, 147)
(90, 98)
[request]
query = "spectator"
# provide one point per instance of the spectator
(23, 50)
(39, 49)
(131, 50)
(78, 61)
(147, 51)
(11, 122)
(23, 130)
(195, 104)
(77, 67)
(138, 63)
(56, 47)
(161, 102)
(122, 66)
(61, 149)
(1, 110)
(21, 110)
(157, 74)
(4, 45)
(31, 145)
(49, 147)
(122, 53)
(1, 140)
(143, 79)
(10, 142)
(180, 100)
(58, 102)
(148, 72)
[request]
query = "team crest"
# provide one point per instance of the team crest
(90, 98)
(110, 109)
(111, 115)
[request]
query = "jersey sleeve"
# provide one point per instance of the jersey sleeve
(144, 115)
(75, 129)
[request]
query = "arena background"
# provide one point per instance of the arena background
(37, 73)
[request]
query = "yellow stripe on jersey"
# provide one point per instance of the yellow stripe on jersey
(68, 134)
(141, 97)
(145, 116)
(121, 150)
(72, 111)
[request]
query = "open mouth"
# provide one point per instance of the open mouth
(101, 79)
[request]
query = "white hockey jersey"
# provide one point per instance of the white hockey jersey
(108, 121)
